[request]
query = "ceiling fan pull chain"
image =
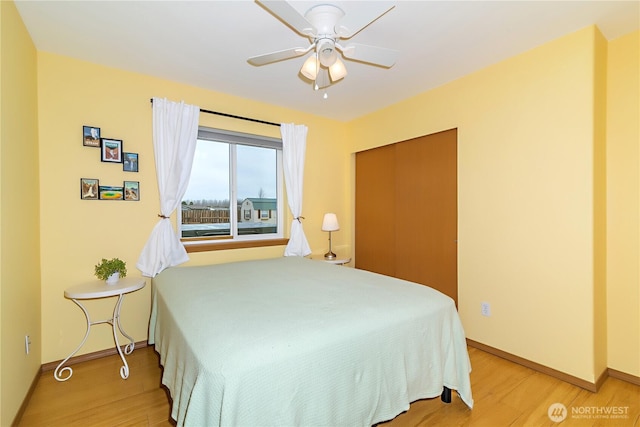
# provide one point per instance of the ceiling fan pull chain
(315, 82)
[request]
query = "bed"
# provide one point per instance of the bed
(295, 342)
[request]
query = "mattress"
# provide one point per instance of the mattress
(296, 342)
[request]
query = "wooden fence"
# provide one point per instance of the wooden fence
(205, 216)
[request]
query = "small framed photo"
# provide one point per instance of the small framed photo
(90, 136)
(132, 190)
(130, 162)
(111, 150)
(89, 188)
(108, 192)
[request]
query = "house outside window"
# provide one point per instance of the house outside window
(235, 189)
(259, 209)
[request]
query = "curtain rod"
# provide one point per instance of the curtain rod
(249, 119)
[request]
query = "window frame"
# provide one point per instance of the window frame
(234, 239)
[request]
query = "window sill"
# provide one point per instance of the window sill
(220, 246)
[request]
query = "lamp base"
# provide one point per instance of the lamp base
(329, 255)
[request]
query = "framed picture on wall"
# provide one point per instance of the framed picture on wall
(89, 188)
(108, 192)
(91, 136)
(132, 190)
(130, 162)
(111, 150)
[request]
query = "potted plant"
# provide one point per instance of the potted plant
(111, 270)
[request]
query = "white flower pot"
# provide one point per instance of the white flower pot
(113, 278)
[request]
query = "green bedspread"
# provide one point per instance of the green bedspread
(295, 342)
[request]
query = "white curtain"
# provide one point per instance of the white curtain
(294, 146)
(175, 132)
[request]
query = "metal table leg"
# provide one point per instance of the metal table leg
(59, 371)
(116, 326)
(128, 349)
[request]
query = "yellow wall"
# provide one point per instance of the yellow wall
(19, 214)
(76, 233)
(599, 206)
(530, 181)
(623, 196)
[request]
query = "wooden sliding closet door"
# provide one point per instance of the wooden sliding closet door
(375, 210)
(427, 187)
(407, 212)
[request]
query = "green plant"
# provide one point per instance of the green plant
(107, 267)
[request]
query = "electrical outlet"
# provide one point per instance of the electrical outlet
(485, 309)
(27, 344)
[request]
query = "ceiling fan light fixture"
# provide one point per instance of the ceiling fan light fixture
(337, 71)
(310, 68)
(327, 53)
(324, 26)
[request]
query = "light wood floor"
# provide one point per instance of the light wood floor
(505, 394)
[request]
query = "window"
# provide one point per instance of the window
(235, 188)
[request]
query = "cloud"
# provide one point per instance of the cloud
(210, 172)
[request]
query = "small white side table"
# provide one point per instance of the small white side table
(100, 289)
(337, 260)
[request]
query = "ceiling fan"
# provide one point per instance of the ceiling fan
(326, 25)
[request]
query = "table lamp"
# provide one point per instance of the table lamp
(330, 223)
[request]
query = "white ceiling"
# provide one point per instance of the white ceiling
(207, 43)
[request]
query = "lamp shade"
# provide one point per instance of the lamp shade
(337, 71)
(330, 222)
(327, 53)
(310, 68)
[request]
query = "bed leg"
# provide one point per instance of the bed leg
(446, 395)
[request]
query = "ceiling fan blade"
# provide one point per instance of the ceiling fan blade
(280, 55)
(371, 54)
(353, 23)
(289, 16)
